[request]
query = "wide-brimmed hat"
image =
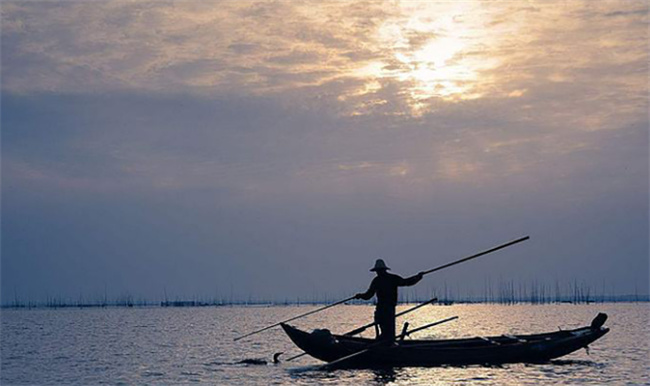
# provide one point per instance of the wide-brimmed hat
(379, 265)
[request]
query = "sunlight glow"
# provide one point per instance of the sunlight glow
(434, 53)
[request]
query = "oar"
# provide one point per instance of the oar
(377, 344)
(362, 328)
(295, 317)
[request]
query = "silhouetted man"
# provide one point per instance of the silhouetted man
(384, 285)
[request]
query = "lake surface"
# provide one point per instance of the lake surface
(195, 345)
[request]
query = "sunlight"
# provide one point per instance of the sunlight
(434, 74)
(434, 51)
(438, 68)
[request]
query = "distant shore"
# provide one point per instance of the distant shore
(55, 304)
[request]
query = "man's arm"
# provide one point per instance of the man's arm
(368, 294)
(409, 281)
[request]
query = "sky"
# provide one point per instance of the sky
(275, 149)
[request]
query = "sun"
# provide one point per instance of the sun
(433, 71)
(432, 52)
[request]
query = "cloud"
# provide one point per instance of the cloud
(417, 53)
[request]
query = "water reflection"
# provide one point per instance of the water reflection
(384, 376)
(575, 362)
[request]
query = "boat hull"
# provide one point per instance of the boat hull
(535, 348)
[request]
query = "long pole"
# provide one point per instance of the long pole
(362, 328)
(352, 297)
(476, 255)
(295, 317)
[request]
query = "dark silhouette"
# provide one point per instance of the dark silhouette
(385, 287)
(341, 351)
(258, 361)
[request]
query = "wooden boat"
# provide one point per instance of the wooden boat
(536, 348)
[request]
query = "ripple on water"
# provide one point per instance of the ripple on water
(152, 374)
(92, 346)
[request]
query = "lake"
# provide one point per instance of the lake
(195, 345)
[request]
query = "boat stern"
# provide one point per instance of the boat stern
(574, 339)
(320, 344)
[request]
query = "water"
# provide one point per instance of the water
(195, 345)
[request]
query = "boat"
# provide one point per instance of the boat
(368, 353)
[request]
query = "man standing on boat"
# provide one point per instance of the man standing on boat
(384, 285)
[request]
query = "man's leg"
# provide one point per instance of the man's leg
(390, 324)
(378, 321)
(385, 317)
